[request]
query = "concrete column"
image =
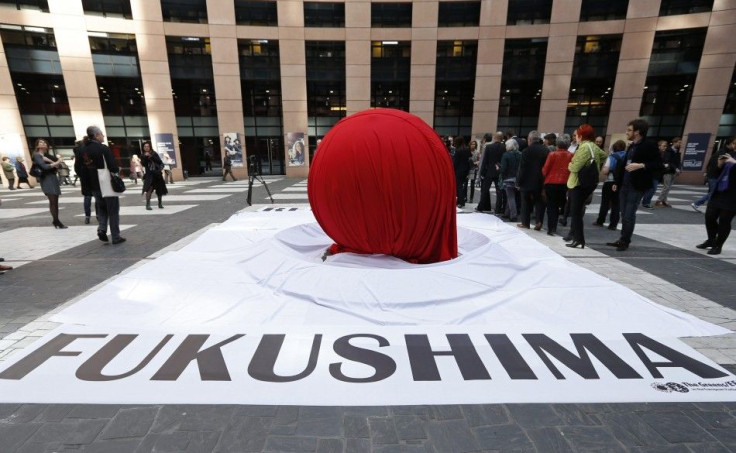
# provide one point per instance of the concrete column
(293, 75)
(72, 43)
(712, 83)
(226, 71)
(489, 66)
(559, 63)
(154, 65)
(423, 59)
(633, 65)
(357, 56)
(10, 121)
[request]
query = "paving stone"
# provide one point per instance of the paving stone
(663, 449)
(256, 411)
(169, 418)
(534, 415)
(206, 418)
(358, 445)
(284, 444)
(69, 432)
(451, 436)
(409, 427)
(329, 445)
(485, 414)
(321, 427)
(676, 427)
(724, 435)
(571, 414)
(712, 447)
(202, 442)
(6, 410)
(286, 415)
(713, 419)
(13, 436)
(422, 411)
(449, 412)
(503, 437)
(631, 430)
(113, 446)
(134, 422)
(587, 438)
(383, 430)
(164, 443)
(308, 412)
(94, 411)
(367, 411)
(246, 434)
(400, 449)
(548, 440)
(26, 413)
(34, 447)
(356, 426)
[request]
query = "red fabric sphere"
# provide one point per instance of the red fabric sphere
(382, 182)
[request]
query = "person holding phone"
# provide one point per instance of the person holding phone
(722, 205)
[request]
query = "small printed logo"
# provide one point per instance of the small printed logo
(670, 387)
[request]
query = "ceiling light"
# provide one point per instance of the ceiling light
(573, 89)
(389, 43)
(56, 86)
(97, 34)
(686, 86)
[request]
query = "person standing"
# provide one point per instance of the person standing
(721, 206)
(94, 156)
(227, 168)
(81, 174)
(587, 154)
(152, 180)
(48, 180)
(490, 165)
(475, 163)
(531, 181)
(671, 163)
(556, 173)
(167, 160)
(22, 172)
(461, 161)
(634, 178)
(207, 161)
(712, 171)
(507, 177)
(136, 169)
(9, 171)
(609, 197)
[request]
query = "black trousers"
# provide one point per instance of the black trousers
(531, 199)
(556, 197)
(718, 224)
(578, 197)
(610, 201)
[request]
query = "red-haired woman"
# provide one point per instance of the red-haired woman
(587, 153)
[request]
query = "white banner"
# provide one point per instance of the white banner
(250, 313)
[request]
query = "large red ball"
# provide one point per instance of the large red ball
(383, 182)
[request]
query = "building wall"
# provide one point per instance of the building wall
(71, 25)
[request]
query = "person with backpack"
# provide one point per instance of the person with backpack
(609, 196)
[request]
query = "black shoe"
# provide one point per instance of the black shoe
(567, 238)
(612, 227)
(622, 247)
(58, 224)
(575, 244)
(705, 245)
(716, 250)
(118, 240)
(596, 223)
(614, 244)
(551, 233)
(102, 236)
(86, 220)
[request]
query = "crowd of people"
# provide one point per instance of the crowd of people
(555, 175)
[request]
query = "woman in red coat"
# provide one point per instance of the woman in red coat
(555, 173)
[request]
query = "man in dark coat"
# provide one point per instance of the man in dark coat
(490, 163)
(531, 181)
(632, 179)
(94, 156)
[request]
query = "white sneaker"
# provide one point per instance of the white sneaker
(694, 206)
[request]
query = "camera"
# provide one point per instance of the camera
(253, 165)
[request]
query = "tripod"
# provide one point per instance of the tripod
(254, 176)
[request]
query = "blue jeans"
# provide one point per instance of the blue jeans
(630, 199)
(711, 187)
(87, 205)
(649, 194)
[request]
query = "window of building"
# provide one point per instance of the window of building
(454, 87)
(673, 67)
(111, 43)
(521, 84)
(252, 12)
(35, 5)
(591, 86)
(390, 15)
(526, 12)
(194, 11)
(192, 80)
(459, 14)
(592, 10)
(108, 8)
(325, 87)
(390, 74)
(28, 37)
(323, 14)
(727, 125)
(673, 7)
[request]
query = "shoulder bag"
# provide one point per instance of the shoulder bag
(588, 175)
(111, 184)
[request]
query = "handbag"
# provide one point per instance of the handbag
(35, 171)
(111, 184)
(588, 175)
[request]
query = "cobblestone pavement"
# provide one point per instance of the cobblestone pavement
(661, 264)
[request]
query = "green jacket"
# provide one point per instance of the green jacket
(581, 158)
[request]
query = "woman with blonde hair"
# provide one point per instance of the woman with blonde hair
(49, 163)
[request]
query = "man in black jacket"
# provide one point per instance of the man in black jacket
(531, 181)
(94, 156)
(642, 161)
(490, 162)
